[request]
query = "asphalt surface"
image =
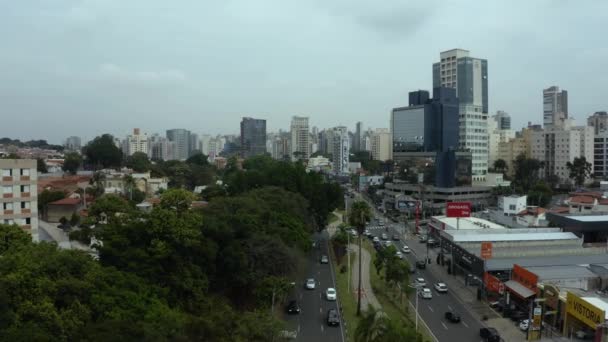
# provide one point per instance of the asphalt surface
(432, 311)
(311, 323)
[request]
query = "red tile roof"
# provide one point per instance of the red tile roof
(67, 201)
(560, 210)
(533, 211)
(587, 194)
(582, 199)
(603, 201)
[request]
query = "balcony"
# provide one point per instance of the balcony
(25, 194)
(7, 195)
(8, 212)
(25, 178)
(7, 178)
(26, 211)
(27, 227)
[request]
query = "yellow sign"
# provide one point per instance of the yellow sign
(584, 311)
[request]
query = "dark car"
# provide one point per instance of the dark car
(332, 318)
(517, 316)
(421, 264)
(452, 317)
(293, 308)
(489, 334)
(432, 243)
(396, 237)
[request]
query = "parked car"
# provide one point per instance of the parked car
(399, 255)
(376, 239)
(384, 236)
(517, 315)
(405, 249)
(396, 237)
(423, 238)
(432, 242)
(498, 305)
(293, 308)
(324, 259)
(387, 243)
(330, 294)
(310, 284)
(367, 232)
(523, 325)
(452, 317)
(420, 282)
(489, 334)
(332, 317)
(425, 293)
(441, 287)
(421, 264)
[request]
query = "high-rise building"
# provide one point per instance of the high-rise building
(19, 200)
(136, 142)
(521, 144)
(300, 146)
(357, 137)
(281, 149)
(161, 148)
(181, 138)
(555, 107)
(73, 143)
(425, 139)
(341, 150)
(599, 122)
(381, 144)
(253, 137)
(600, 155)
(496, 135)
(503, 120)
(469, 76)
(195, 144)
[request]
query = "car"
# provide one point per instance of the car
(517, 315)
(432, 242)
(421, 264)
(367, 232)
(376, 239)
(381, 223)
(396, 237)
(498, 305)
(441, 287)
(310, 284)
(523, 325)
(324, 259)
(332, 317)
(423, 238)
(288, 334)
(387, 243)
(489, 334)
(293, 308)
(405, 249)
(412, 269)
(384, 236)
(330, 294)
(452, 317)
(425, 293)
(399, 255)
(419, 282)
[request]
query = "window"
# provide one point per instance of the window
(25, 188)
(511, 206)
(25, 205)
(28, 220)
(7, 189)
(7, 172)
(24, 172)
(7, 206)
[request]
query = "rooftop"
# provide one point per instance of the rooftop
(546, 273)
(507, 235)
(589, 218)
(67, 201)
(467, 223)
(599, 303)
(497, 264)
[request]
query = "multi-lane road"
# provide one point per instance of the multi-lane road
(311, 323)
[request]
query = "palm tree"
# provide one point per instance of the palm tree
(366, 327)
(129, 183)
(360, 213)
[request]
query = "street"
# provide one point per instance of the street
(311, 323)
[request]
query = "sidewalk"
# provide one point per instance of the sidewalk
(367, 295)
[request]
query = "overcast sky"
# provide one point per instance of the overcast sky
(87, 67)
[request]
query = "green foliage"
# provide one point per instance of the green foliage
(109, 205)
(376, 326)
(176, 199)
(580, 170)
(198, 159)
(103, 153)
(71, 162)
(139, 162)
(185, 175)
(83, 235)
(74, 220)
(11, 236)
(500, 165)
(526, 172)
(48, 196)
(540, 195)
(359, 214)
(41, 166)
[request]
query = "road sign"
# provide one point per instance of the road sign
(458, 209)
(486, 250)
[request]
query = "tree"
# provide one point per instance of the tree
(129, 184)
(108, 205)
(526, 172)
(139, 162)
(376, 326)
(41, 165)
(198, 159)
(48, 196)
(74, 220)
(360, 214)
(71, 162)
(11, 236)
(500, 165)
(103, 153)
(176, 199)
(540, 194)
(580, 170)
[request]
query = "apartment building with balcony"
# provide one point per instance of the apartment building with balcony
(19, 194)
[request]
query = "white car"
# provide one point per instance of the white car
(399, 255)
(523, 325)
(420, 282)
(441, 287)
(330, 294)
(376, 239)
(405, 249)
(387, 243)
(425, 293)
(310, 284)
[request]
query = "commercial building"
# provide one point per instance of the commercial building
(469, 76)
(555, 107)
(497, 135)
(161, 148)
(181, 138)
(136, 142)
(381, 144)
(20, 194)
(600, 154)
(511, 149)
(253, 137)
(512, 205)
(341, 150)
(300, 136)
(357, 137)
(599, 122)
(503, 120)
(73, 143)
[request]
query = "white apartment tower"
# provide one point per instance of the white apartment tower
(341, 150)
(19, 199)
(496, 136)
(381, 144)
(136, 142)
(469, 76)
(300, 136)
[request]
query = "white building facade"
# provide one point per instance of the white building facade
(136, 142)
(381, 144)
(300, 138)
(341, 150)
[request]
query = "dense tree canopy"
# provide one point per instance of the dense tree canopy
(71, 162)
(139, 162)
(103, 153)
(527, 172)
(579, 170)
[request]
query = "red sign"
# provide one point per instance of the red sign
(493, 284)
(486, 250)
(525, 277)
(458, 209)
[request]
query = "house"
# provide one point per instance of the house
(586, 203)
(512, 205)
(532, 216)
(62, 208)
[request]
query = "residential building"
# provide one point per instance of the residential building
(381, 144)
(600, 155)
(253, 137)
(204, 141)
(19, 201)
(496, 135)
(73, 143)
(425, 139)
(357, 137)
(555, 147)
(161, 148)
(195, 144)
(555, 107)
(181, 138)
(319, 163)
(281, 149)
(136, 142)
(341, 150)
(599, 121)
(503, 120)
(300, 146)
(520, 144)
(469, 76)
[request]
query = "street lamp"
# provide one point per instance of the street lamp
(417, 287)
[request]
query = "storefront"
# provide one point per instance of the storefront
(585, 317)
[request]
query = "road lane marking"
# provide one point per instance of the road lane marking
(465, 324)
(430, 308)
(445, 326)
(449, 308)
(322, 328)
(298, 329)
(320, 296)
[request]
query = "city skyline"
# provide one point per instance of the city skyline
(82, 63)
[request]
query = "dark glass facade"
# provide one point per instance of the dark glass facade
(253, 137)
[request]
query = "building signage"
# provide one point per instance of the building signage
(458, 209)
(584, 311)
(493, 284)
(486, 250)
(536, 317)
(525, 277)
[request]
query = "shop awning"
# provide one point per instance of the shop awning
(519, 289)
